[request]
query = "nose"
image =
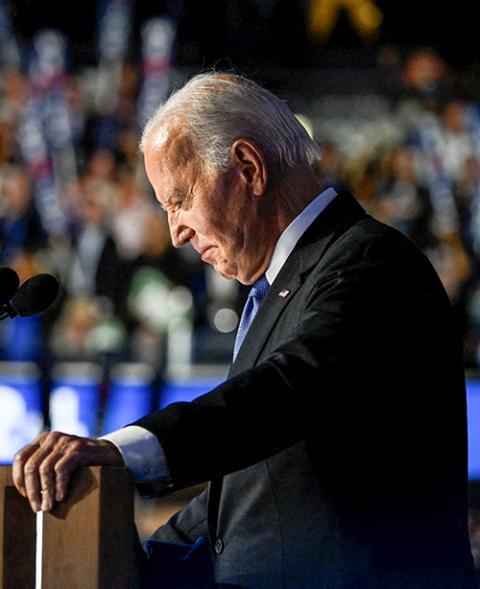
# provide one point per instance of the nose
(180, 233)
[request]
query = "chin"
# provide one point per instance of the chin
(226, 271)
(244, 279)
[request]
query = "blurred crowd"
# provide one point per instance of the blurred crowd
(422, 176)
(74, 202)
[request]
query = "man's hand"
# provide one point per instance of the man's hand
(42, 469)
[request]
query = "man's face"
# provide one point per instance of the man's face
(216, 213)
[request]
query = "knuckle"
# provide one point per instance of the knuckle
(44, 470)
(24, 453)
(31, 468)
(65, 465)
(63, 441)
(18, 458)
(74, 458)
(61, 477)
(76, 445)
(17, 475)
(62, 472)
(51, 438)
(43, 437)
(75, 448)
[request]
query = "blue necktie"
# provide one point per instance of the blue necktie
(255, 298)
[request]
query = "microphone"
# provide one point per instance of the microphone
(34, 296)
(9, 282)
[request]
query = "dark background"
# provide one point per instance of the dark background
(251, 33)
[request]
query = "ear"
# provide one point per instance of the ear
(251, 164)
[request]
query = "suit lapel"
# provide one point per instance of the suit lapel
(265, 320)
(343, 211)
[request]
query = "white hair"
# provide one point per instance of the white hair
(216, 109)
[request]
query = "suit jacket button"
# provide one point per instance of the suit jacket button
(218, 546)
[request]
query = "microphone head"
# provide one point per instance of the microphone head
(35, 295)
(9, 283)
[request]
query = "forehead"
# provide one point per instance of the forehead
(173, 148)
(177, 146)
(173, 165)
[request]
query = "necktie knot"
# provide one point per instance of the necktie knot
(260, 288)
(255, 298)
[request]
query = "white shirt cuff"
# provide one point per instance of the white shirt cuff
(141, 451)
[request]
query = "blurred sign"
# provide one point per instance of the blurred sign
(21, 418)
(473, 404)
(114, 31)
(75, 398)
(8, 47)
(129, 396)
(158, 36)
(187, 387)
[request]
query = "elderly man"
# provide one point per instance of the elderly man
(336, 450)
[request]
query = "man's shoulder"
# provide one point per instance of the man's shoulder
(368, 236)
(371, 248)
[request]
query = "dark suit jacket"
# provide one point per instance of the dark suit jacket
(336, 450)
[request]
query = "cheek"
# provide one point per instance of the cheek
(231, 239)
(222, 225)
(219, 227)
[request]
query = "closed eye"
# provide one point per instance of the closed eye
(177, 201)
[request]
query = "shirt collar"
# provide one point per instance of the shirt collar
(290, 236)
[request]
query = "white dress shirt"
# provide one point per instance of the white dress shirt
(140, 449)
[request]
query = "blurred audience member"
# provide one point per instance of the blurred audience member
(95, 264)
(100, 176)
(157, 281)
(13, 92)
(402, 202)
(456, 145)
(426, 77)
(20, 225)
(329, 168)
(87, 331)
(131, 215)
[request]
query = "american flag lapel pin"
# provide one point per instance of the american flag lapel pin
(284, 293)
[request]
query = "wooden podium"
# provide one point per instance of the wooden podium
(87, 540)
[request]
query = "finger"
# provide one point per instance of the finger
(32, 483)
(47, 481)
(19, 461)
(47, 470)
(35, 465)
